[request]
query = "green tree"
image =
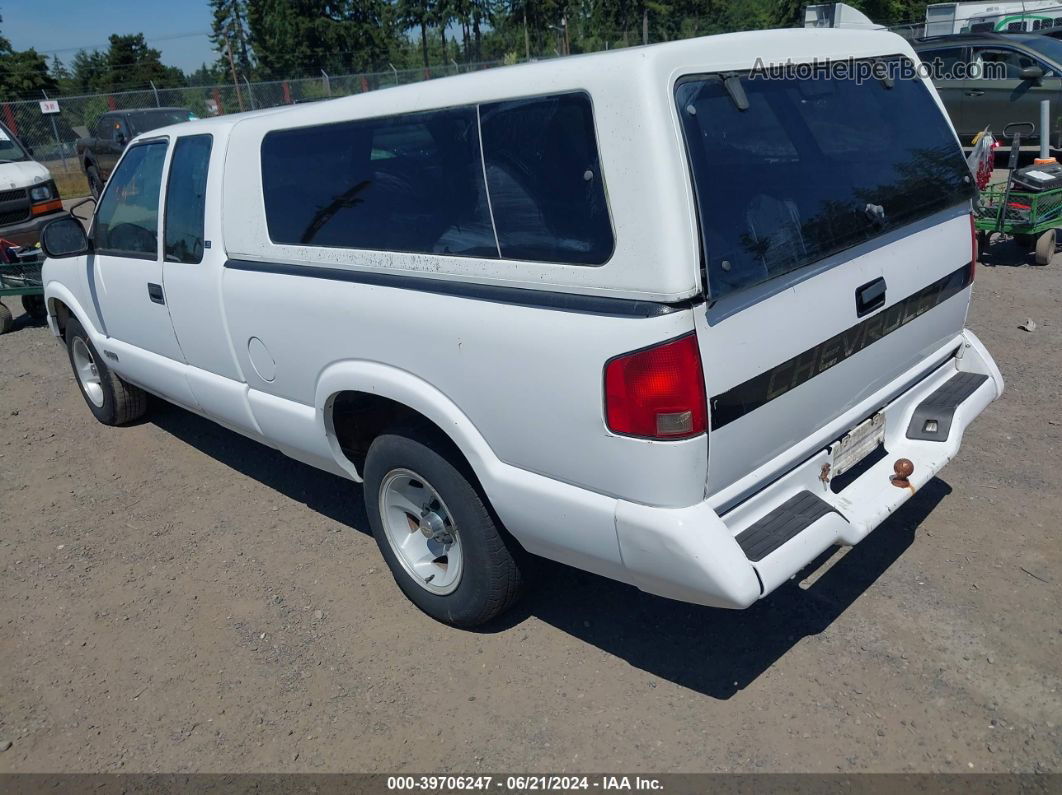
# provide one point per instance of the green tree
(207, 75)
(58, 70)
(23, 73)
(298, 37)
(131, 64)
(416, 14)
(88, 72)
(229, 29)
(274, 33)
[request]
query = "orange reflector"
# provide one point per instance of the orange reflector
(50, 206)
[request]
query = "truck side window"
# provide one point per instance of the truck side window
(1011, 60)
(127, 220)
(401, 183)
(544, 178)
(186, 199)
(943, 61)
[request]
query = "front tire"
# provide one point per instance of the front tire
(439, 537)
(110, 399)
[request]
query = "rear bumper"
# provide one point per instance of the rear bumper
(693, 553)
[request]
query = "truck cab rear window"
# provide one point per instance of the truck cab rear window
(812, 167)
(519, 180)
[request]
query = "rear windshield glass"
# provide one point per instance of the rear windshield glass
(812, 167)
(152, 120)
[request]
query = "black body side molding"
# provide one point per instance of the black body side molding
(518, 296)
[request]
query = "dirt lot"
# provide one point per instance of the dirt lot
(176, 598)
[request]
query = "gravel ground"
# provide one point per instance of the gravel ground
(174, 597)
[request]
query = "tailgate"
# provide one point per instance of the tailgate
(838, 254)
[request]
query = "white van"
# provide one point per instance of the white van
(635, 311)
(28, 195)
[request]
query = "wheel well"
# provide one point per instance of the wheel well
(62, 314)
(359, 417)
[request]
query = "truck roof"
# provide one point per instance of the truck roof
(632, 64)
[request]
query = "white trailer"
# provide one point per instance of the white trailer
(943, 19)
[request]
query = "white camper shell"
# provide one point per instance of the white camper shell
(638, 311)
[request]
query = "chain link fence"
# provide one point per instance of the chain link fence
(53, 136)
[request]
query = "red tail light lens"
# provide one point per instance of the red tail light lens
(657, 393)
(973, 249)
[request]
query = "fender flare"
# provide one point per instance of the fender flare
(401, 386)
(57, 291)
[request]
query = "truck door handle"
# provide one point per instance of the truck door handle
(975, 93)
(155, 293)
(870, 296)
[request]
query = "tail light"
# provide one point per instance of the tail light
(657, 393)
(973, 251)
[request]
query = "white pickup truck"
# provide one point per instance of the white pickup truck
(640, 312)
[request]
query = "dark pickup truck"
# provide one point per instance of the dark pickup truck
(99, 152)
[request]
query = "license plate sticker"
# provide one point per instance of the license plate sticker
(857, 444)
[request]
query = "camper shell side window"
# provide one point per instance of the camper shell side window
(518, 179)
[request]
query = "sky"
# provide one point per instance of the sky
(178, 28)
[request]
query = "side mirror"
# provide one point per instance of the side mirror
(64, 237)
(120, 138)
(1034, 73)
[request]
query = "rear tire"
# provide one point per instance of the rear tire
(425, 512)
(1045, 247)
(110, 399)
(7, 320)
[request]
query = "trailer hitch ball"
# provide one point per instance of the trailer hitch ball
(902, 469)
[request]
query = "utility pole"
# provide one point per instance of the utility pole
(645, 25)
(235, 82)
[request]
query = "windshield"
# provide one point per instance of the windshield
(10, 150)
(152, 120)
(811, 167)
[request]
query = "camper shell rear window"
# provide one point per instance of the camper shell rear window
(812, 166)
